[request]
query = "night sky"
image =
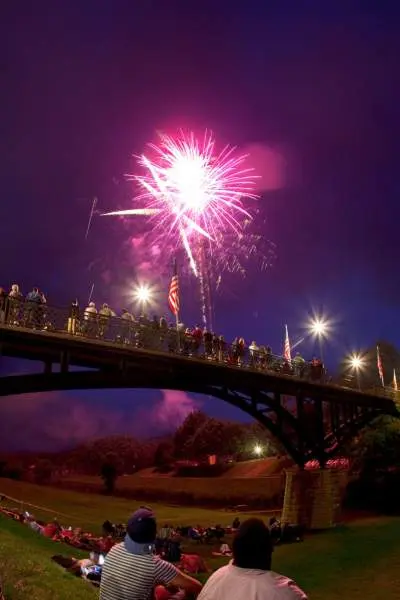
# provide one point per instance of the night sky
(311, 87)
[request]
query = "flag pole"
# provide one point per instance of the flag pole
(380, 366)
(91, 293)
(175, 274)
(177, 330)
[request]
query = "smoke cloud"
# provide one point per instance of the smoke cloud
(57, 420)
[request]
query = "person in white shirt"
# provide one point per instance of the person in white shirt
(248, 576)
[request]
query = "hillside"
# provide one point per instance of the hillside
(259, 467)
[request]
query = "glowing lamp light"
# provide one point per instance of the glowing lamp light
(257, 450)
(143, 294)
(319, 327)
(356, 362)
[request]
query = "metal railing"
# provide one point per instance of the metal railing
(141, 332)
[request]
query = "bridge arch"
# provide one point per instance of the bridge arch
(317, 422)
(266, 408)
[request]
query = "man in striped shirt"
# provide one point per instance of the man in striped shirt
(131, 571)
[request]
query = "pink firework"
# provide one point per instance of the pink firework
(192, 191)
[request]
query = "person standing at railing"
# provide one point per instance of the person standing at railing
(221, 348)
(31, 308)
(262, 357)
(299, 365)
(215, 346)
(197, 339)
(207, 337)
(90, 319)
(254, 354)
(105, 314)
(268, 356)
(317, 369)
(73, 317)
(241, 351)
(3, 304)
(42, 313)
(15, 300)
(127, 326)
(154, 333)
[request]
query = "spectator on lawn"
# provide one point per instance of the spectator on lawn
(131, 571)
(248, 576)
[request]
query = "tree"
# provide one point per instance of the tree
(13, 470)
(207, 439)
(193, 422)
(109, 472)
(248, 436)
(377, 448)
(376, 456)
(164, 456)
(43, 471)
(89, 457)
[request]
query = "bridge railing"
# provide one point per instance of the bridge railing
(151, 335)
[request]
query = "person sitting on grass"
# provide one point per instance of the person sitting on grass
(131, 571)
(248, 576)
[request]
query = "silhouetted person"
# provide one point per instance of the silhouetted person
(248, 576)
(73, 317)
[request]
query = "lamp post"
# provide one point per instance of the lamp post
(143, 295)
(319, 328)
(258, 450)
(357, 363)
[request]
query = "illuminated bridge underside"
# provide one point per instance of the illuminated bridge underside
(310, 420)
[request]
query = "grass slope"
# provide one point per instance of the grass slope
(360, 562)
(27, 571)
(228, 490)
(257, 467)
(90, 510)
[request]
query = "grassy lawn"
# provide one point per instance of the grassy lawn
(27, 571)
(360, 562)
(227, 490)
(91, 510)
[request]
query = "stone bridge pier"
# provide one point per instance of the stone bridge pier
(313, 498)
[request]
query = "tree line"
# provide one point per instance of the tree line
(198, 437)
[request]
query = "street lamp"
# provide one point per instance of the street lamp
(357, 363)
(143, 294)
(257, 450)
(319, 327)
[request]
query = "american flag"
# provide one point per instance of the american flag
(395, 380)
(286, 349)
(173, 294)
(380, 366)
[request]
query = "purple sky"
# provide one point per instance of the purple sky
(86, 84)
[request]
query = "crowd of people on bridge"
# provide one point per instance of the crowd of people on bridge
(141, 331)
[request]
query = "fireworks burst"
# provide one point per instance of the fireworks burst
(194, 198)
(194, 193)
(236, 252)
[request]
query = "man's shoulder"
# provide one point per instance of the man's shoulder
(116, 550)
(160, 563)
(220, 573)
(288, 588)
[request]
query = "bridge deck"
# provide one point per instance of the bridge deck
(98, 354)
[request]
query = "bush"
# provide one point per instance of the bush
(202, 470)
(378, 492)
(12, 471)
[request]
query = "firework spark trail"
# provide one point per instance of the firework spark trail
(92, 211)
